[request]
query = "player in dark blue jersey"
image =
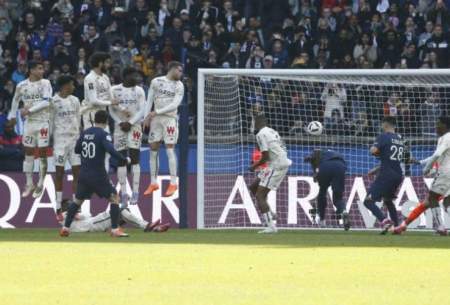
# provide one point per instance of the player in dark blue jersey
(389, 148)
(93, 145)
(329, 170)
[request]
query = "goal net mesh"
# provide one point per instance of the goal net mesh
(350, 108)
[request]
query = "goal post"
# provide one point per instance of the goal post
(350, 105)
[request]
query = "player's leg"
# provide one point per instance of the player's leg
(392, 210)
(75, 162)
(76, 175)
(338, 187)
(122, 177)
(136, 174)
(154, 138)
(114, 212)
(42, 142)
(29, 142)
(254, 186)
(375, 194)
(322, 200)
(59, 176)
(170, 130)
(263, 205)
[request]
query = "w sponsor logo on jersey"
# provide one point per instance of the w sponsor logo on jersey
(44, 132)
(136, 135)
(170, 130)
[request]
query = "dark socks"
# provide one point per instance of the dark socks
(71, 211)
(114, 212)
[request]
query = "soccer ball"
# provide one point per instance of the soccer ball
(314, 128)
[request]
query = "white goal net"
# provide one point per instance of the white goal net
(350, 105)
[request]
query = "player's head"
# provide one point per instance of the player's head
(260, 122)
(388, 123)
(65, 84)
(175, 70)
(36, 69)
(130, 76)
(101, 117)
(443, 125)
(100, 60)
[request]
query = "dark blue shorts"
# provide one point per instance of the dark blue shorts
(332, 173)
(385, 187)
(101, 186)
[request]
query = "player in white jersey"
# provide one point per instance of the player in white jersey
(35, 93)
(128, 115)
(102, 222)
(441, 184)
(275, 155)
(97, 88)
(66, 130)
(166, 94)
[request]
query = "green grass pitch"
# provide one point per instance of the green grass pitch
(224, 267)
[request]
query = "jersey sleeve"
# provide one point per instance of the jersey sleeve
(442, 146)
(15, 102)
(179, 94)
(137, 117)
(150, 99)
(379, 142)
(46, 96)
(90, 93)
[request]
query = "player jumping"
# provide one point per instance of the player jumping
(128, 132)
(441, 184)
(93, 144)
(329, 170)
(275, 155)
(35, 93)
(389, 148)
(66, 130)
(166, 93)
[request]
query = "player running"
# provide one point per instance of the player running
(389, 148)
(66, 129)
(93, 144)
(275, 155)
(102, 222)
(329, 169)
(166, 93)
(128, 132)
(441, 184)
(35, 93)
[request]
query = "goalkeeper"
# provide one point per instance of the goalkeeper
(329, 169)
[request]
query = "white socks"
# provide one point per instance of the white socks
(436, 213)
(268, 220)
(58, 200)
(28, 165)
(153, 166)
(172, 157)
(133, 219)
(122, 177)
(136, 172)
(42, 171)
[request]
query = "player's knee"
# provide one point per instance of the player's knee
(134, 156)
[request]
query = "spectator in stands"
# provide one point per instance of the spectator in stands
(364, 47)
(93, 41)
(255, 61)
(11, 152)
(438, 44)
(429, 112)
(20, 73)
(410, 58)
(334, 98)
(6, 96)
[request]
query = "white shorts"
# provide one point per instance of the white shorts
(88, 120)
(128, 140)
(163, 128)
(64, 150)
(441, 184)
(272, 178)
(36, 133)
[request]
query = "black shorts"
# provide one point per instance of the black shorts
(101, 186)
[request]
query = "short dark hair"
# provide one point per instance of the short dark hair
(390, 120)
(445, 120)
(127, 71)
(97, 58)
(101, 117)
(63, 80)
(173, 64)
(33, 64)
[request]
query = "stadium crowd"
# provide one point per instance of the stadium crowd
(258, 34)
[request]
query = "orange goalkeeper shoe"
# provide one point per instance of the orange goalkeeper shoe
(171, 190)
(64, 232)
(118, 233)
(151, 188)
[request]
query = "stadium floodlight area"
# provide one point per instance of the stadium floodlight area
(350, 105)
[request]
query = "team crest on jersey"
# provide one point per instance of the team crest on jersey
(170, 130)
(136, 135)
